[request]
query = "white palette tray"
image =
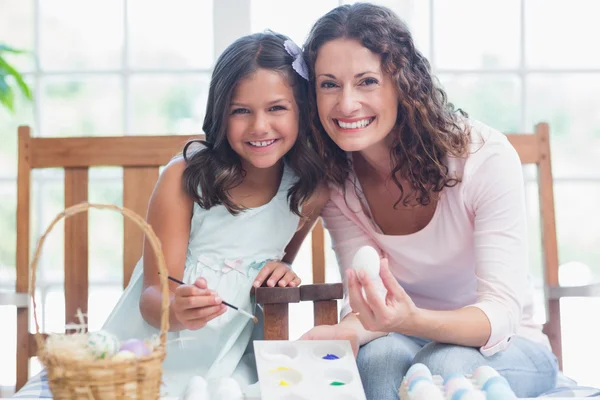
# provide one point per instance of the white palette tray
(307, 370)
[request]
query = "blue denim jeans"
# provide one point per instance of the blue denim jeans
(530, 368)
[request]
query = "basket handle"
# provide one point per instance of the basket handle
(154, 243)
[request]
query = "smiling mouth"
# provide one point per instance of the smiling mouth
(360, 124)
(262, 143)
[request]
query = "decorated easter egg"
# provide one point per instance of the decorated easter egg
(499, 392)
(495, 381)
(102, 344)
(136, 346)
(124, 355)
(413, 382)
(418, 368)
(427, 391)
(468, 394)
(483, 373)
(459, 383)
(415, 385)
(453, 376)
(366, 258)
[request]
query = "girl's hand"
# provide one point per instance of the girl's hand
(195, 305)
(277, 273)
(392, 313)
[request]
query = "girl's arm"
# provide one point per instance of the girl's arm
(169, 213)
(280, 274)
(311, 210)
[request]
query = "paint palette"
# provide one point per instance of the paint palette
(484, 384)
(307, 369)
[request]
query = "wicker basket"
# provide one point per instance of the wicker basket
(139, 378)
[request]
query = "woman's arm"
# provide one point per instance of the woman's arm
(494, 193)
(347, 237)
(497, 194)
(396, 312)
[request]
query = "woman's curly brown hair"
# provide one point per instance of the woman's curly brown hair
(427, 128)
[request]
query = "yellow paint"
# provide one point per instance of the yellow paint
(283, 383)
(279, 369)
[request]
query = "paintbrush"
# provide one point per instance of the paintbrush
(247, 314)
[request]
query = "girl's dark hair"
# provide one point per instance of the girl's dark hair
(427, 127)
(213, 170)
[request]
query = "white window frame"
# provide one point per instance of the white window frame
(232, 19)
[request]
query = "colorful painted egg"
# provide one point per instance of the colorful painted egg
(102, 344)
(136, 346)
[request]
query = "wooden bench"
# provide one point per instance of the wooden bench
(141, 157)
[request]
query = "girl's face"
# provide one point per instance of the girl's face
(357, 102)
(263, 119)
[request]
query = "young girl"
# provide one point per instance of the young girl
(230, 214)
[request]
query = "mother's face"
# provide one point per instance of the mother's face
(356, 100)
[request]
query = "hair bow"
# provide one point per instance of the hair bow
(298, 64)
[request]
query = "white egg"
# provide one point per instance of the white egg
(367, 258)
(197, 389)
(483, 373)
(225, 389)
(418, 367)
(427, 392)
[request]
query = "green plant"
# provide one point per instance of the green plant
(7, 71)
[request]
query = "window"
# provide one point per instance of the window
(143, 67)
(103, 68)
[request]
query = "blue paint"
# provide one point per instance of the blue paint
(330, 357)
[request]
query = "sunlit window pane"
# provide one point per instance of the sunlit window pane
(562, 34)
(16, 30)
(102, 300)
(170, 34)
(415, 13)
(473, 34)
(491, 99)
(570, 104)
(54, 311)
(8, 233)
(9, 123)
(168, 104)
(579, 259)
(578, 233)
(82, 106)
(8, 345)
(580, 330)
(47, 200)
(77, 35)
(292, 18)
(105, 229)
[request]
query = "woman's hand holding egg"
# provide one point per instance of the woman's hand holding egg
(393, 312)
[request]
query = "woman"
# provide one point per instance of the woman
(440, 197)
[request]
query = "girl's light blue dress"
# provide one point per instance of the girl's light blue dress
(228, 251)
